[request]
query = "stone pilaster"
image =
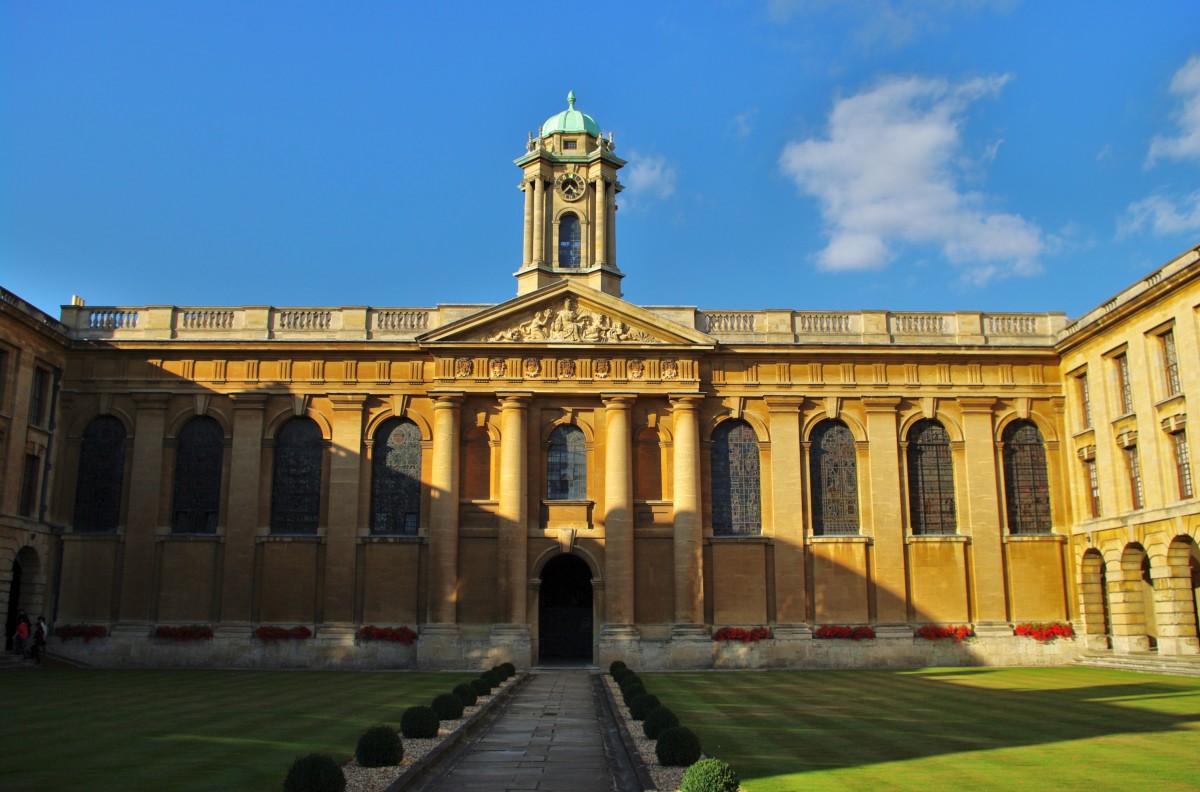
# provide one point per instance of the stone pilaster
(513, 506)
(527, 246)
(980, 510)
(601, 221)
(539, 221)
(341, 537)
(688, 521)
(1126, 606)
(618, 519)
(145, 486)
(788, 507)
(887, 523)
(1175, 605)
(443, 511)
(245, 483)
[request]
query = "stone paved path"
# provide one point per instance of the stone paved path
(548, 740)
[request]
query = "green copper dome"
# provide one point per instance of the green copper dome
(570, 120)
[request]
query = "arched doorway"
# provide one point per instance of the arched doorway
(565, 611)
(14, 605)
(1094, 591)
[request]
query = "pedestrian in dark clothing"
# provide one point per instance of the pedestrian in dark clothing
(39, 639)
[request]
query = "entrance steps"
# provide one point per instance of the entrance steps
(8, 660)
(1146, 662)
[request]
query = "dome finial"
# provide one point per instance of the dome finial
(570, 100)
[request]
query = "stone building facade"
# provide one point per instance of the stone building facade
(568, 475)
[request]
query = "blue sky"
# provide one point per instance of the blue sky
(902, 154)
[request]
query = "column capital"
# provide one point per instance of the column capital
(443, 400)
(618, 401)
(784, 404)
(347, 401)
(881, 403)
(514, 400)
(977, 404)
(154, 400)
(684, 402)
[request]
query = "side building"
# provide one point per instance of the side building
(567, 475)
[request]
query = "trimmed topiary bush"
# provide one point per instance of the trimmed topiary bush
(615, 666)
(379, 746)
(641, 706)
(620, 674)
(509, 669)
(628, 679)
(678, 746)
(710, 775)
(658, 721)
(494, 677)
(447, 706)
(466, 694)
(632, 692)
(418, 722)
(481, 686)
(315, 773)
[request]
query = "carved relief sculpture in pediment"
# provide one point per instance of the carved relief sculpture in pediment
(570, 324)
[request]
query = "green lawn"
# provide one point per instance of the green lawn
(90, 729)
(944, 729)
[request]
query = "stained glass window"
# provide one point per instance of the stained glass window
(570, 241)
(930, 480)
(736, 505)
(198, 453)
(566, 464)
(1026, 486)
(396, 478)
(296, 483)
(101, 476)
(834, 480)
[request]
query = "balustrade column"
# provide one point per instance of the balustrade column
(443, 510)
(145, 487)
(539, 221)
(618, 511)
(513, 506)
(688, 522)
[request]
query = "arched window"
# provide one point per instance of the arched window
(834, 472)
(1026, 485)
(296, 483)
(736, 506)
(475, 471)
(647, 466)
(570, 241)
(566, 464)
(198, 452)
(930, 480)
(101, 475)
(396, 478)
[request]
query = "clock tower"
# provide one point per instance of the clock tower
(570, 183)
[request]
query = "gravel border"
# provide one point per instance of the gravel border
(665, 778)
(419, 754)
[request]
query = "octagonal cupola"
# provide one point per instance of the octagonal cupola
(570, 182)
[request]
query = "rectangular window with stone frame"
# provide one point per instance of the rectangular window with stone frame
(1124, 388)
(1085, 400)
(1134, 469)
(1093, 487)
(1170, 362)
(1183, 463)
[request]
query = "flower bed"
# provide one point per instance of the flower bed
(955, 632)
(844, 631)
(1045, 631)
(402, 635)
(87, 632)
(742, 634)
(272, 634)
(187, 632)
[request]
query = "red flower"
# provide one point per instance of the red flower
(85, 631)
(398, 634)
(742, 634)
(956, 633)
(271, 634)
(853, 633)
(1044, 631)
(191, 632)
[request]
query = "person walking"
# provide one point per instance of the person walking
(39, 639)
(21, 636)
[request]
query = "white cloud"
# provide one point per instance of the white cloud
(891, 22)
(1162, 216)
(648, 178)
(742, 124)
(1185, 145)
(888, 174)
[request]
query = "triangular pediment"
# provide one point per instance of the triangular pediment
(566, 313)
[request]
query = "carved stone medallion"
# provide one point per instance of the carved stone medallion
(496, 367)
(566, 369)
(637, 369)
(463, 367)
(670, 370)
(601, 368)
(532, 367)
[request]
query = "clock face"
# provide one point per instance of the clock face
(570, 186)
